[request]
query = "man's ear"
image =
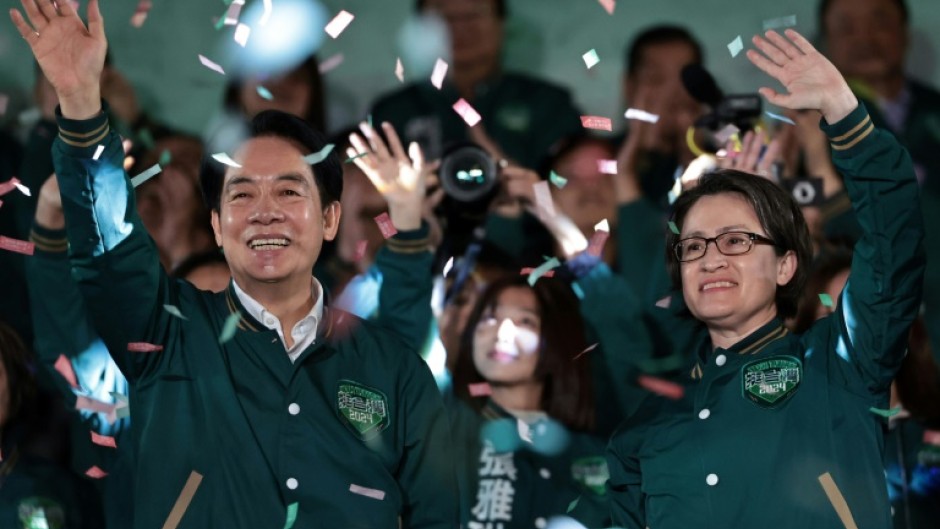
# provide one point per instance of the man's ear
(216, 227)
(786, 267)
(331, 215)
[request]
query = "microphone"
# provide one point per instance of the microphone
(701, 85)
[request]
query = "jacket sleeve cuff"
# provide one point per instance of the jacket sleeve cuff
(411, 241)
(81, 137)
(850, 131)
(51, 243)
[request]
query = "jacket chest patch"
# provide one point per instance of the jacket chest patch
(591, 473)
(364, 410)
(769, 382)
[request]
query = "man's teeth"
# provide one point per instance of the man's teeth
(719, 284)
(265, 244)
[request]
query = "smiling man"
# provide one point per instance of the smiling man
(258, 405)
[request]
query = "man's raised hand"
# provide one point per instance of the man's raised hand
(810, 80)
(70, 54)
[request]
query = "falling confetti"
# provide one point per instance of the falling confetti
(231, 325)
(641, 115)
(885, 413)
(667, 389)
(559, 181)
(608, 5)
(351, 159)
(467, 112)
(165, 158)
(98, 150)
(16, 245)
(782, 22)
(573, 505)
(64, 368)
(233, 12)
(591, 58)
(725, 134)
(140, 13)
(826, 300)
(665, 302)
(143, 347)
(103, 440)
(673, 228)
(97, 406)
(481, 389)
(440, 71)
(587, 350)
(317, 157)
(735, 46)
(367, 492)
(183, 500)
(399, 70)
(543, 198)
(607, 166)
(339, 23)
(10, 185)
(542, 269)
(242, 31)
(211, 65)
(385, 225)
(837, 500)
(331, 63)
(95, 473)
(146, 175)
(528, 270)
(596, 122)
(174, 312)
(291, 515)
(264, 93)
(268, 7)
(224, 158)
(778, 117)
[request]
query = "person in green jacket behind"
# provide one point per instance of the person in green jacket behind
(766, 426)
(259, 406)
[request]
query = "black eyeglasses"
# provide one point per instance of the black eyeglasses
(730, 243)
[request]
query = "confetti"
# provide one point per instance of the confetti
(95, 473)
(231, 325)
(585, 351)
(103, 440)
(90, 404)
(543, 198)
(608, 6)
(146, 175)
(932, 437)
(64, 367)
(399, 70)
(673, 228)
(778, 117)
(98, 150)
(268, 7)
(9, 185)
(545, 473)
(481, 389)
(174, 312)
(782, 22)
(735, 46)
(542, 269)
(385, 225)
(607, 166)
(591, 58)
(331, 63)
(448, 266)
(291, 515)
(339, 23)
(578, 291)
(723, 135)
(224, 158)
(597, 242)
(602, 226)
(885, 413)
(559, 181)
(661, 387)
(440, 71)
(182, 502)
(317, 157)
(143, 347)
(596, 122)
(165, 158)
(242, 31)
(140, 13)
(122, 408)
(211, 65)
(528, 270)
(22, 189)
(665, 302)
(367, 492)
(641, 115)
(233, 12)
(351, 159)
(361, 247)
(264, 93)
(837, 500)
(573, 504)
(16, 245)
(467, 112)
(826, 300)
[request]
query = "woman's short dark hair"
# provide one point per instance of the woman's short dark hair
(832, 260)
(779, 216)
(327, 174)
(566, 394)
(316, 106)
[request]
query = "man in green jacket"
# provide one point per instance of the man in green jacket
(259, 406)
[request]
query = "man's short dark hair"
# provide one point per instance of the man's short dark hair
(658, 35)
(327, 174)
(779, 216)
(824, 6)
(498, 5)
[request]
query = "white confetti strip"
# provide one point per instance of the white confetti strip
(591, 58)
(268, 7)
(607, 166)
(146, 175)
(641, 115)
(543, 198)
(339, 23)
(331, 63)
(736, 46)
(319, 156)
(602, 226)
(242, 31)
(440, 71)
(265, 93)
(98, 151)
(779, 117)
(211, 65)
(23, 189)
(224, 158)
(782, 22)
(367, 492)
(399, 71)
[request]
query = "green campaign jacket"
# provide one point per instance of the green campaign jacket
(352, 434)
(761, 422)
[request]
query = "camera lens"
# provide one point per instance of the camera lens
(468, 173)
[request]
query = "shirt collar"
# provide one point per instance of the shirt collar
(262, 316)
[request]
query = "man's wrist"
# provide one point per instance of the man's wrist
(85, 105)
(50, 218)
(840, 106)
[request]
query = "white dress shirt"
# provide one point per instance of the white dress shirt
(304, 332)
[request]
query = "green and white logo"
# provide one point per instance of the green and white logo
(771, 381)
(592, 473)
(363, 409)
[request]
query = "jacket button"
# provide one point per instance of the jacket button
(292, 483)
(720, 360)
(711, 479)
(704, 414)
(294, 408)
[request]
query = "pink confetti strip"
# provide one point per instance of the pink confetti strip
(385, 225)
(89, 404)
(64, 367)
(16, 245)
(331, 63)
(95, 472)
(440, 71)
(8, 186)
(481, 389)
(596, 123)
(367, 492)
(339, 23)
(667, 389)
(607, 166)
(140, 13)
(103, 440)
(144, 347)
(932, 437)
(598, 240)
(211, 65)
(361, 247)
(467, 112)
(528, 270)
(608, 6)
(234, 11)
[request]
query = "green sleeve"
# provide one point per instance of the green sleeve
(112, 257)
(405, 295)
(627, 501)
(883, 293)
(640, 242)
(35, 169)
(506, 233)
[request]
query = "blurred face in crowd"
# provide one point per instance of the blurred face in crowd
(506, 340)
(476, 30)
(291, 93)
(361, 204)
(734, 293)
(588, 197)
(271, 223)
(866, 39)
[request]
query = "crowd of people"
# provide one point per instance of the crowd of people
(714, 319)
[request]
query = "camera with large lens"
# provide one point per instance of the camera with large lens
(469, 177)
(741, 110)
